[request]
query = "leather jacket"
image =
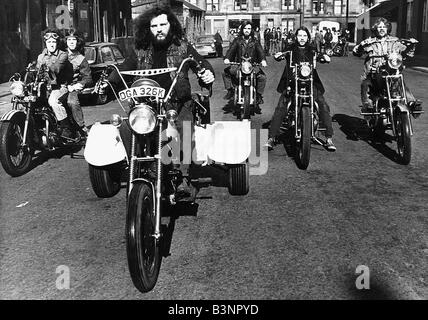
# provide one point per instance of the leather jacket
(240, 48)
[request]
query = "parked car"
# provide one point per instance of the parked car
(205, 46)
(98, 55)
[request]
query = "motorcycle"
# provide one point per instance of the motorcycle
(338, 49)
(31, 124)
(390, 106)
(303, 112)
(144, 160)
(245, 97)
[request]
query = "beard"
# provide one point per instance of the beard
(164, 43)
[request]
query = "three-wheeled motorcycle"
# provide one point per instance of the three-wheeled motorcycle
(144, 159)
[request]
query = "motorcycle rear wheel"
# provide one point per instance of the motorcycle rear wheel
(404, 141)
(105, 180)
(15, 159)
(143, 250)
(303, 147)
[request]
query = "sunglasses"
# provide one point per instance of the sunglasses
(51, 35)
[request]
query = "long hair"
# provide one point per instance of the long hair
(378, 22)
(143, 35)
(243, 25)
(79, 36)
(306, 30)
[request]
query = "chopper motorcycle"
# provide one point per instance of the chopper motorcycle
(31, 124)
(143, 158)
(390, 106)
(245, 97)
(303, 112)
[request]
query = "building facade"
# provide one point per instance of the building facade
(22, 23)
(224, 15)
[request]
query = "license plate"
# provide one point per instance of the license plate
(246, 83)
(142, 91)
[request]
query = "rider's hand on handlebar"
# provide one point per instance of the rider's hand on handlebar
(278, 55)
(264, 63)
(226, 61)
(206, 76)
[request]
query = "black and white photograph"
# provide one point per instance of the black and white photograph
(219, 151)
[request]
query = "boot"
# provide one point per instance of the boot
(65, 129)
(230, 93)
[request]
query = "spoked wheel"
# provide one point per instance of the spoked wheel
(143, 249)
(247, 106)
(303, 152)
(404, 142)
(14, 157)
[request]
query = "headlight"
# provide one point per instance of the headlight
(305, 71)
(142, 119)
(395, 60)
(246, 67)
(212, 45)
(17, 89)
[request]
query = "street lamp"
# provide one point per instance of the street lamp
(302, 11)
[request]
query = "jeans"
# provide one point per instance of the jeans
(230, 79)
(366, 83)
(55, 102)
(76, 110)
(281, 112)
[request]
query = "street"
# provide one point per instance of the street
(296, 235)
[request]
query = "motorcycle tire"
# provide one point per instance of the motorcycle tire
(105, 180)
(303, 147)
(239, 179)
(404, 141)
(10, 148)
(247, 105)
(143, 250)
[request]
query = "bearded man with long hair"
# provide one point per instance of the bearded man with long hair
(160, 42)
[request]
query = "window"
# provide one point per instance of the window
(337, 7)
(288, 4)
(425, 17)
(287, 25)
(318, 6)
(256, 4)
(107, 55)
(240, 5)
(117, 53)
(213, 5)
(409, 15)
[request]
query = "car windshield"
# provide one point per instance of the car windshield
(205, 39)
(90, 54)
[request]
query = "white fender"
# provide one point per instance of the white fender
(226, 142)
(104, 146)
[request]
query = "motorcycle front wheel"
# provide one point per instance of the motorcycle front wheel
(239, 179)
(142, 248)
(303, 146)
(404, 141)
(247, 105)
(14, 157)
